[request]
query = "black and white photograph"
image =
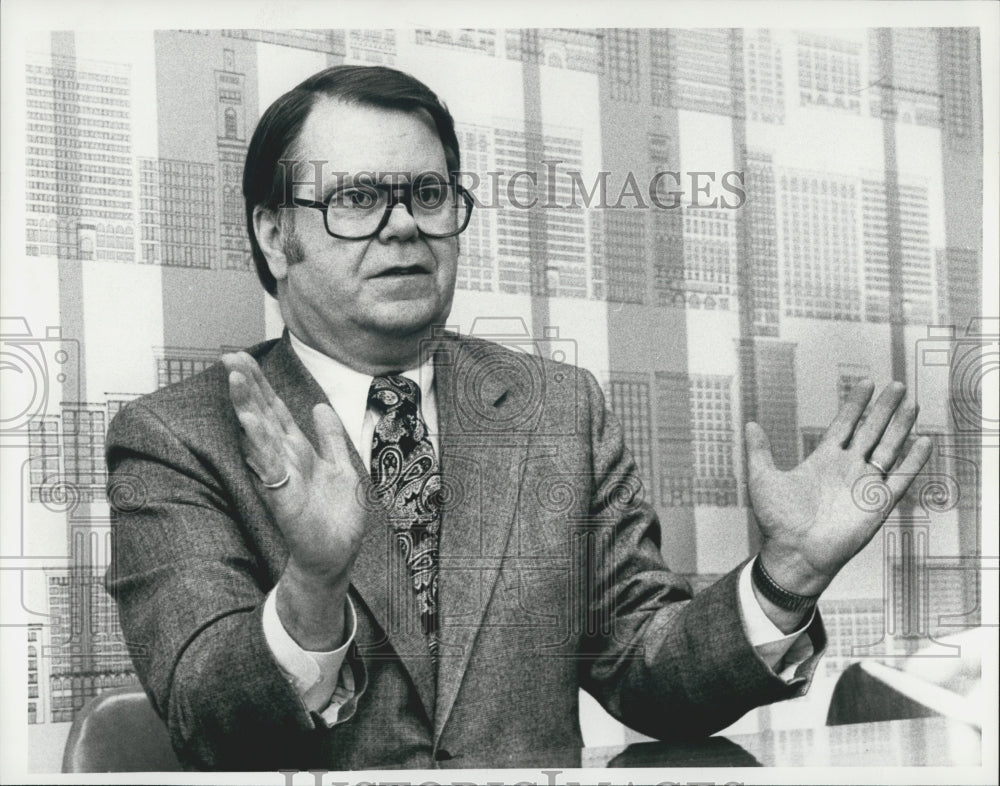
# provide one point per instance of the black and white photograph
(522, 393)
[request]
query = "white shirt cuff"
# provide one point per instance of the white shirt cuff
(783, 653)
(316, 676)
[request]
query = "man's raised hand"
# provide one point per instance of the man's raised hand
(810, 520)
(317, 508)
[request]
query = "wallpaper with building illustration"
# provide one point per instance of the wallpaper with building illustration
(725, 225)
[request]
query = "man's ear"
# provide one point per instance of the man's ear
(267, 227)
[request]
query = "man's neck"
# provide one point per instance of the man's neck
(386, 356)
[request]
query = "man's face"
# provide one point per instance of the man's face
(343, 294)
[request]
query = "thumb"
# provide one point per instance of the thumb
(758, 448)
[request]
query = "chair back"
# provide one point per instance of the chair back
(119, 731)
(860, 697)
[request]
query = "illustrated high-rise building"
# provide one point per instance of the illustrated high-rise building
(621, 59)
(579, 50)
(675, 476)
(712, 416)
(819, 246)
(187, 208)
(375, 47)
(79, 165)
(508, 215)
(149, 211)
(477, 268)
(710, 257)
(914, 78)
(918, 268)
(87, 654)
(700, 70)
(36, 674)
(829, 72)
(630, 400)
(772, 364)
(761, 216)
(231, 133)
(626, 252)
(484, 41)
(764, 74)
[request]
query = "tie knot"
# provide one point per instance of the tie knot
(392, 391)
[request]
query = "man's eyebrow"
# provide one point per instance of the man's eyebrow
(386, 180)
(343, 180)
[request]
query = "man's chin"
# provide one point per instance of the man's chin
(409, 322)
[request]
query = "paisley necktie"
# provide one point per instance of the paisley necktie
(407, 479)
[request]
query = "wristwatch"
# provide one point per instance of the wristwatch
(778, 595)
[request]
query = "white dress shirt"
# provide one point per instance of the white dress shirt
(318, 677)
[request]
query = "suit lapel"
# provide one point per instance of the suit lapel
(380, 576)
(481, 460)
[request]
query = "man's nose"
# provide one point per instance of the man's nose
(401, 225)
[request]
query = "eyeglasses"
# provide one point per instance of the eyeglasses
(441, 208)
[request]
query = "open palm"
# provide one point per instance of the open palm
(811, 518)
(317, 508)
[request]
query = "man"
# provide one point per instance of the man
(369, 544)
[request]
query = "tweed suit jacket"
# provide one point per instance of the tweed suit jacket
(551, 579)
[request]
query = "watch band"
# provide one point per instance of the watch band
(777, 594)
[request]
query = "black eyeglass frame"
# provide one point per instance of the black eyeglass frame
(401, 193)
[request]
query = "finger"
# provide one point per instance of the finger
(256, 382)
(332, 437)
(266, 391)
(887, 452)
(268, 449)
(241, 396)
(759, 455)
(284, 416)
(846, 421)
(266, 401)
(266, 458)
(902, 476)
(246, 399)
(272, 400)
(240, 387)
(870, 432)
(239, 361)
(290, 440)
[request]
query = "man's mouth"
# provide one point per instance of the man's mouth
(409, 270)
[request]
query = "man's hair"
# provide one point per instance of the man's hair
(278, 132)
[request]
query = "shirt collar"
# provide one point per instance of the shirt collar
(347, 389)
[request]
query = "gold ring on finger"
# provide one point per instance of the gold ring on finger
(277, 484)
(874, 463)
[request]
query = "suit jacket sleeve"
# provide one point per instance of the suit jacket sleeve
(661, 662)
(190, 594)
